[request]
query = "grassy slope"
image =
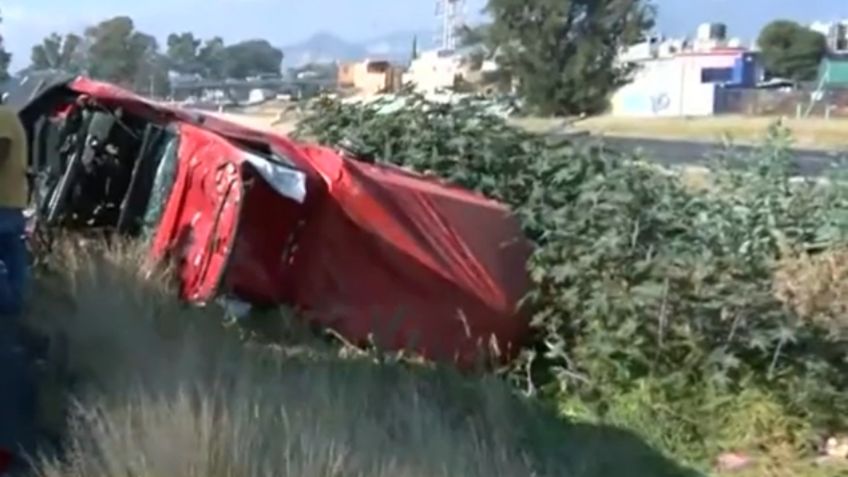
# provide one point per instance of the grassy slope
(164, 390)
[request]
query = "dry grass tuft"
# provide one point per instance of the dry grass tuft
(307, 420)
(816, 287)
(162, 389)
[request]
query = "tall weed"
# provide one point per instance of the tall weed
(161, 388)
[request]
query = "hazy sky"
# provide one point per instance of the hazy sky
(282, 22)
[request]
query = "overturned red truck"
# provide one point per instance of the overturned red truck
(370, 250)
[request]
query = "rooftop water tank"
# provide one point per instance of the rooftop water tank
(712, 31)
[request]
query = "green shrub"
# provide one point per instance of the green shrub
(654, 303)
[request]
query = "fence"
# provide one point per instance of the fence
(832, 103)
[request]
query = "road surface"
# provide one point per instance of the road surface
(808, 162)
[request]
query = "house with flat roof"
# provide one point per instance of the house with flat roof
(369, 77)
(687, 83)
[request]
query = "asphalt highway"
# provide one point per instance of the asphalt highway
(808, 162)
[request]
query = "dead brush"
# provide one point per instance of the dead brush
(815, 288)
(162, 388)
(111, 324)
(304, 420)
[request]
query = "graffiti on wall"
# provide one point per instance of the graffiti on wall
(660, 102)
(643, 103)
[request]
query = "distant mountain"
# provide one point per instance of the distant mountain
(321, 48)
(326, 47)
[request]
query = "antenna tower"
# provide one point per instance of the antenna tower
(450, 13)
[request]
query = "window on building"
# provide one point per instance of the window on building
(716, 75)
(378, 66)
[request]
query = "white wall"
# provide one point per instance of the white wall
(432, 72)
(667, 87)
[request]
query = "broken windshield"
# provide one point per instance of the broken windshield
(163, 182)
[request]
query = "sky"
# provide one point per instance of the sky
(282, 22)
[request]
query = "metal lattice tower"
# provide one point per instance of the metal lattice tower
(450, 13)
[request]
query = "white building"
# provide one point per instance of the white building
(685, 84)
(836, 34)
(680, 77)
(652, 48)
(435, 70)
(259, 95)
(709, 37)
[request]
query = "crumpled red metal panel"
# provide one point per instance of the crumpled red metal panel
(416, 263)
(200, 218)
(270, 226)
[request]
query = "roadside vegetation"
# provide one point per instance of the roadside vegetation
(141, 384)
(673, 325)
(676, 322)
(676, 311)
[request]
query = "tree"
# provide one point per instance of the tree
(791, 51)
(151, 69)
(184, 53)
(564, 52)
(476, 42)
(212, 58)
(59, 53)
(117, 52)
(252, 57)
(414, 53)
(5, 59)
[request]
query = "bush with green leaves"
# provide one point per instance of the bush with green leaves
(653, 303)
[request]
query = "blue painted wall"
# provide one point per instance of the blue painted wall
(745, 71)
